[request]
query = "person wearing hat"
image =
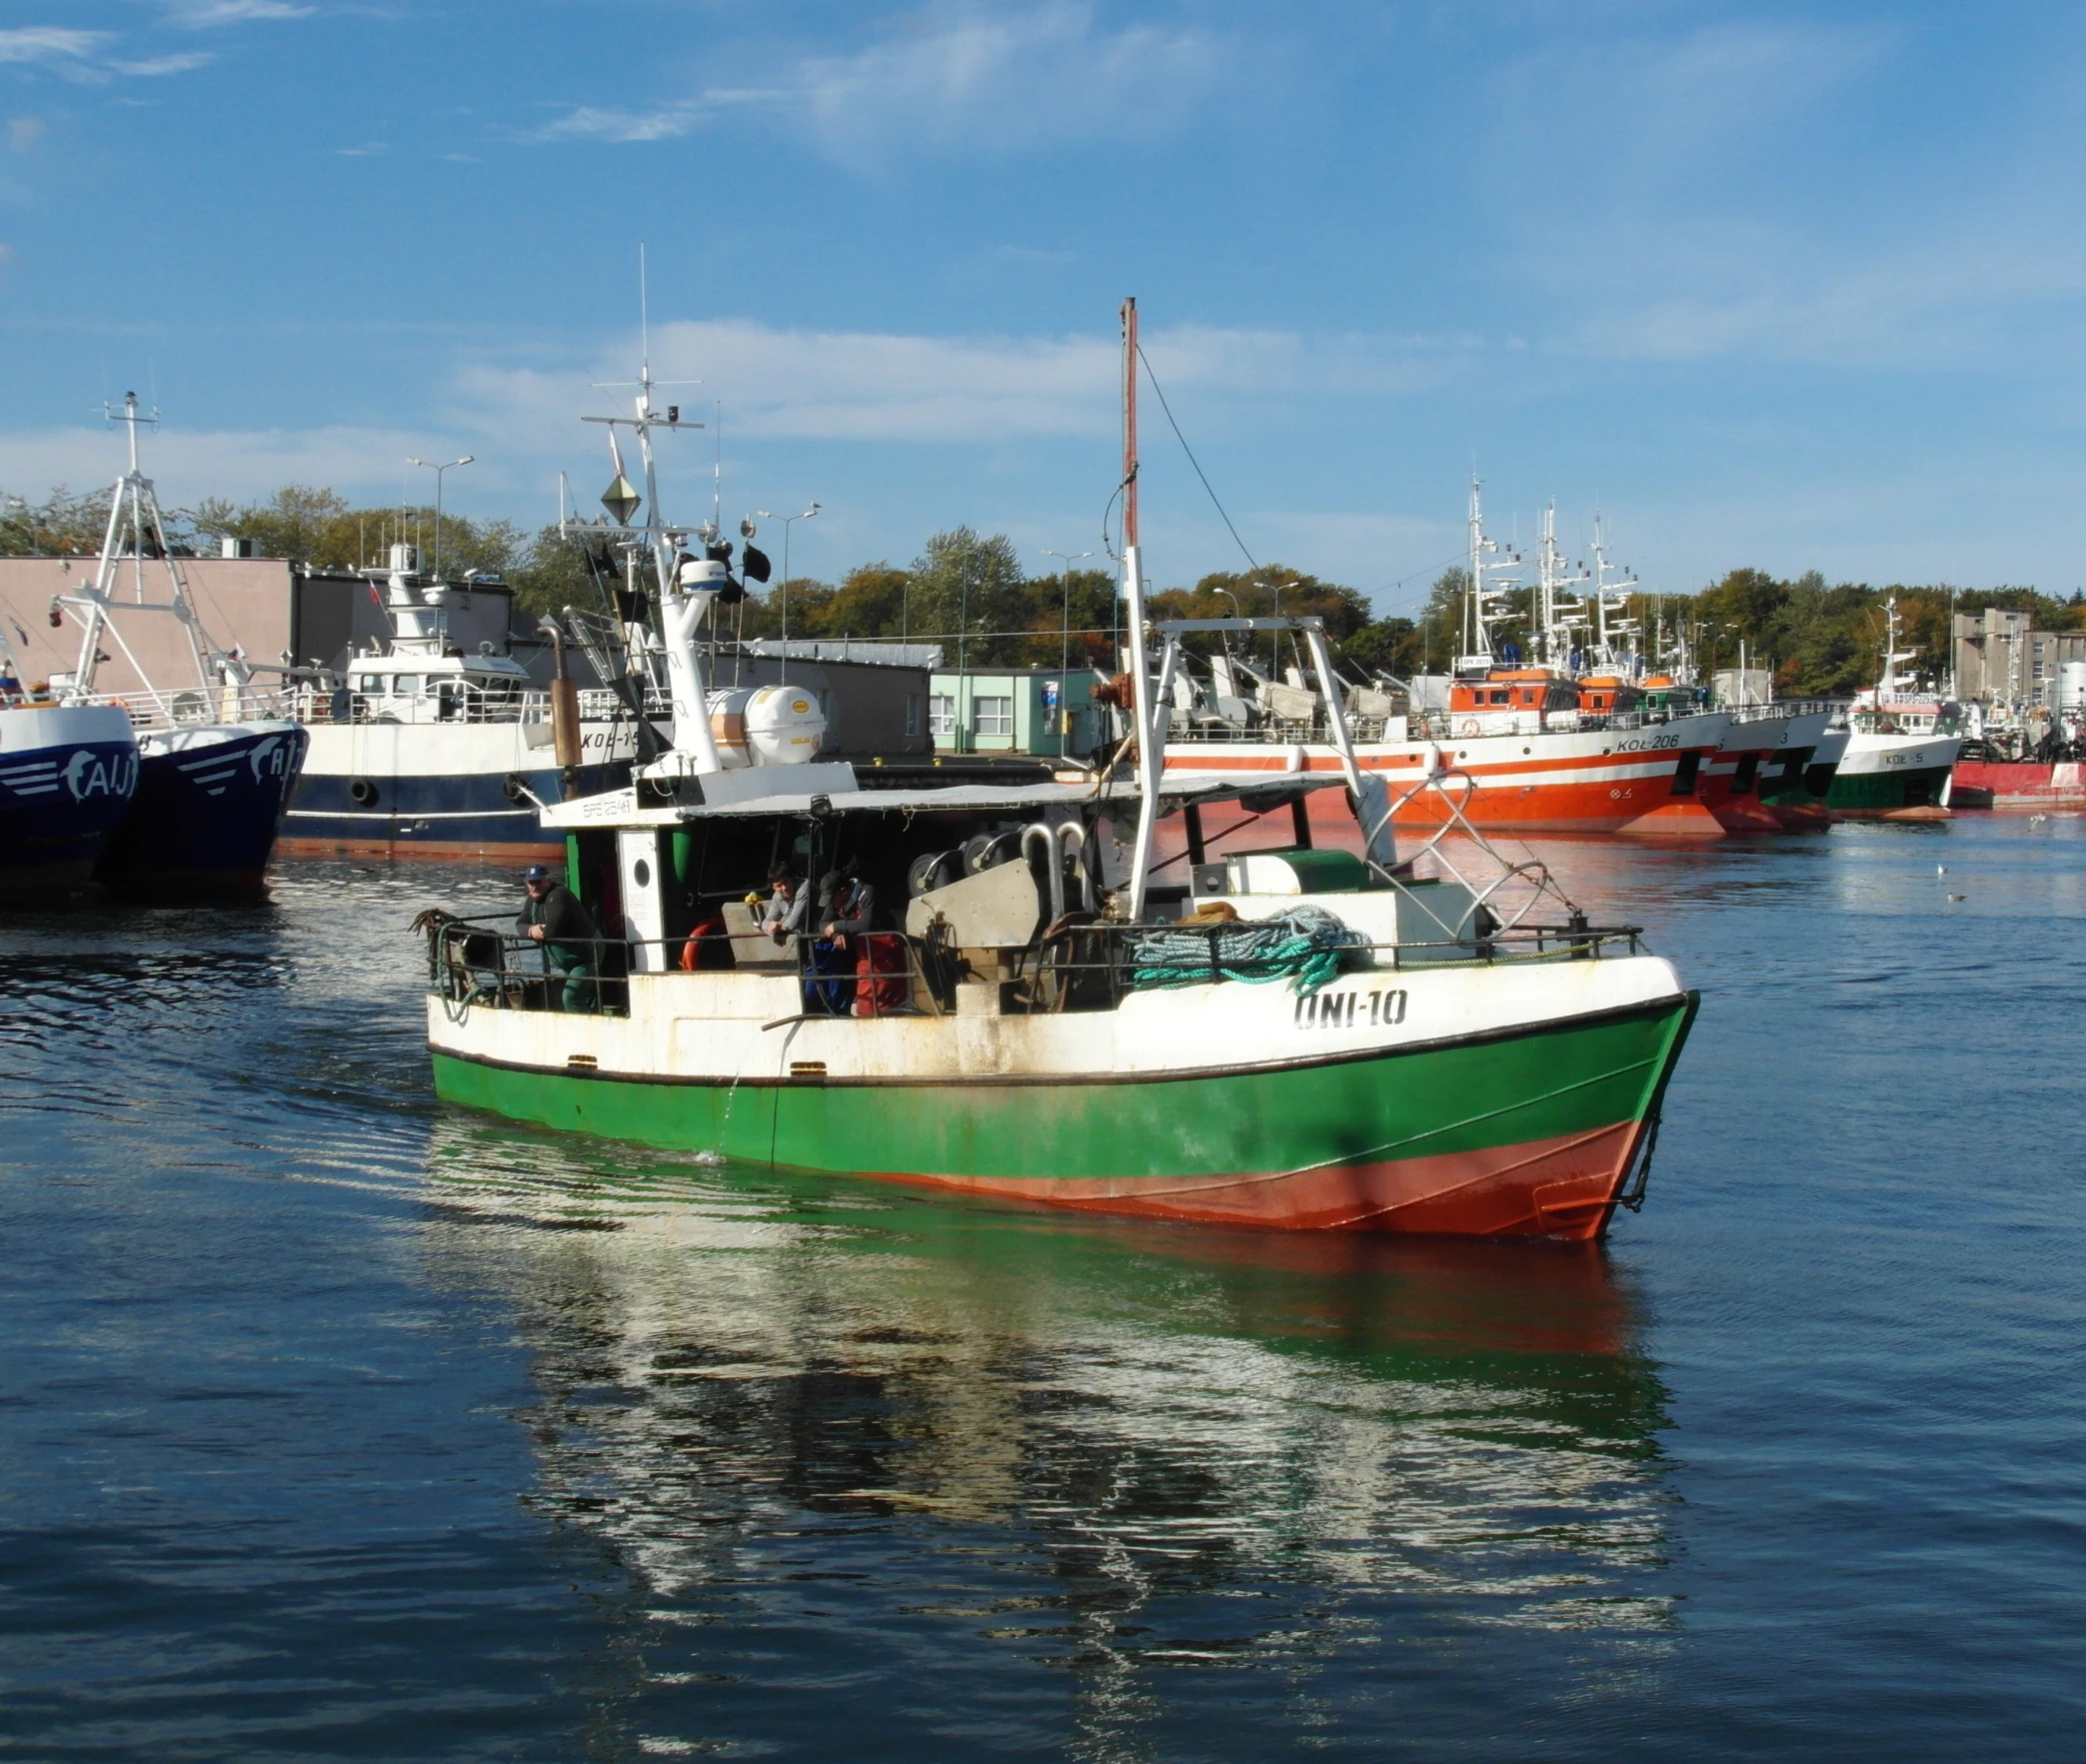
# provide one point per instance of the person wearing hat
(554, 917)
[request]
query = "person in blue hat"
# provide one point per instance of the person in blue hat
(554, 917)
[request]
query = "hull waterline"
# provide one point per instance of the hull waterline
(1532, 1132)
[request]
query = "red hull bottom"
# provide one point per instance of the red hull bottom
(2017, 784)
(1802, 817)
(1925, 812)
(1676, 820)
(1556, 1189)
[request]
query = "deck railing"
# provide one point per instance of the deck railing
(463, 703)
(1078, 963)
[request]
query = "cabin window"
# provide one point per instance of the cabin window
(912, 714)
(942, 713)
(993, 716)
(368, 683)
(405, 684)
(1502, 698)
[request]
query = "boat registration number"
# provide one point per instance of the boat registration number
(1383, 1009)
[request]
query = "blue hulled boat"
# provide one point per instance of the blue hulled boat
(209, 805)
(68, 773)
(214, 763)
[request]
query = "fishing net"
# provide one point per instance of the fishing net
(1304, 945)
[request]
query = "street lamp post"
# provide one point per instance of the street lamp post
(788, 520)
(1067, 559)
(449, 466)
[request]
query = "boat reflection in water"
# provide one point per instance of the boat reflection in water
(838, 1439)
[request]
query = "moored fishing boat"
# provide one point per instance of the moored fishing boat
(1756, 781)
(428, 750)
(216, 762)
(1796, 791)
(2017, 784)
(1291, 1036)
(67, 775)
(1540, 749)
(1902, 743)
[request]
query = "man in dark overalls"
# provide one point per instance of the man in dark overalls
(552, 918)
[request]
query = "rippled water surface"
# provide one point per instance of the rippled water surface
(336, 1423)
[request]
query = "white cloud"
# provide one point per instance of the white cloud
(861, 386)
(23, 132)
(202, 14)
(163, 64)
(1004, 77)
(188, 465)
(959, 74)
(37, 43)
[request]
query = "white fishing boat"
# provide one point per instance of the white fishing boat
(1902, 744)
(425, 748)
(1293, 1036)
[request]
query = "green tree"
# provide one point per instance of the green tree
(63, 525)
(968, 594)
(873, 600)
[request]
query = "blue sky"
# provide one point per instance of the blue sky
(1790, 286)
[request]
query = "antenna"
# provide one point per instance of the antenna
(643, 318)
(717, 506)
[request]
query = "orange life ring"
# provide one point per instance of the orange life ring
(1470, 726)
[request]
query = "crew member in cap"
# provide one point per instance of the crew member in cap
(552, 918)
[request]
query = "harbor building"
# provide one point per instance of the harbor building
(2000, 659)
(1045, 711)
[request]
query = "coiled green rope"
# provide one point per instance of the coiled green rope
(1302, 946)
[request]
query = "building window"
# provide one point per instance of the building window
(942, 715)
(992, 716)
(912, 714)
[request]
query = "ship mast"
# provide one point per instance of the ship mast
(1479, 601)
(685, 593)
(1606, 595)
(1555, 614)
(1887, 681)
(136, 532)
(1149, 750)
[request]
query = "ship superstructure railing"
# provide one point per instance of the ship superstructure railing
(1439, 727)
(1782, 707)
(1078, 963)
(445, 700)
(194, 707)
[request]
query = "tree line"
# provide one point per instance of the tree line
(970, 593)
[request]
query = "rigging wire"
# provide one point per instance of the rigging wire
(1191, 460)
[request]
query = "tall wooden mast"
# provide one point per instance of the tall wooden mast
(1151, 734)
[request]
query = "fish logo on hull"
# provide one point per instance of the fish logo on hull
(87, 773)
(270, 758)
